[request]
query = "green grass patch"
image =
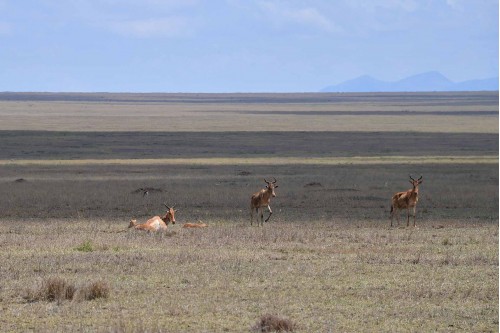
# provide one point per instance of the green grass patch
(86, 246)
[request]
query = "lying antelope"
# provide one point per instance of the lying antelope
(262, 199)
(407, 199)
(156, 223)
(195, 225)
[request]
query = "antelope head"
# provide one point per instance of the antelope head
(169, 214)
(417, 182)
(133, 223)
(271, 186)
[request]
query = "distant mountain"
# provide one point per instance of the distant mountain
(433, 81)
(362, 83)
(473, 85)
(430, 81)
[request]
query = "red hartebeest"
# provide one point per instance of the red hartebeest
(407, 199)
(195, 225)
(262, 199)
(156, 223)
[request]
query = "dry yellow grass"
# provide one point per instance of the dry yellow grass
(337, 275)
(221, 161)
(257, 112)
(326, 262)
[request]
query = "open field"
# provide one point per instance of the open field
(337, 276)
(221, 192)
(474, 112)
(327, 261)
(72, 166)
(47, 145)
(270, 161)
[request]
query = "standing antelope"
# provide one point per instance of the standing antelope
(407, 199)
(262, 199)
(156, 223)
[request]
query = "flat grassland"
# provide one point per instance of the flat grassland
(72, 166)
(382, 112)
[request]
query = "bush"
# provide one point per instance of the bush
(271, 323)
(58, 289)
(97, 289)
(51, 289)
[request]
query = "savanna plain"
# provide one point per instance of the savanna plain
(73, 166)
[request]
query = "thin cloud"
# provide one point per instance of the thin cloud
(146, 19)
(282, 15)
(311, 17)
(154, 27)
(455, 4)
(396, 5)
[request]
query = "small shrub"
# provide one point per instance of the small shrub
(97, 289)
(449, 260)
(57, 289)
(446, 241)
(313, 184)
(416, 261)
(51, 289)
(85, 247)
(271, 323)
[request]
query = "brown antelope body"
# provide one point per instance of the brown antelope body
(261, 200)
(408, 200)
(195, 225)
(156, 223)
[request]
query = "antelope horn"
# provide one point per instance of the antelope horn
(274, 180)
(266, 180)
(420, 177)
(411, 178)
(166, 206)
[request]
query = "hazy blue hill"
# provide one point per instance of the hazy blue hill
(473, 85)
(429, 81)
(359, 84)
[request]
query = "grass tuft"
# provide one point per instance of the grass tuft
(51, 289)
(272, 323)
(97, 289)
(58, 289)
(85, 247)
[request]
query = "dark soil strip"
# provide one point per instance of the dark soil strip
(109, 145)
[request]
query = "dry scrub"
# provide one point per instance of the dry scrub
(328, 262)
(58, 289)
(51, 289)
(336, 275)
(272, 323)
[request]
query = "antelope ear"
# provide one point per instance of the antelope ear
(275, 186)
(420, 181)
